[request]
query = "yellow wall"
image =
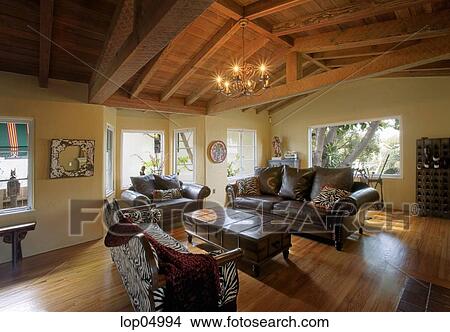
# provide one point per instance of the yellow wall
(216, 129)
(422, 103)
(58, 112)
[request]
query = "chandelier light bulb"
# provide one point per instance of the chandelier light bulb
(244, 78)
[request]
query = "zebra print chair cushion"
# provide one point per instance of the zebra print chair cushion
(144, 214)
(134, 261)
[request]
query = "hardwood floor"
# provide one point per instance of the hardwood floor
(369, 275)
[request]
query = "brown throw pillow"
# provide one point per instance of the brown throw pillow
(162, 195)
(269, 179)
(248, 186)
(165, 182)
(328, 196)
(296, 183)
(340, 178)
(144, 185)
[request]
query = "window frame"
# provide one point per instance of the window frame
(389, 117)
(174, 147)
(255, 151)
(109, 127)
(125, 131)
(30, 178)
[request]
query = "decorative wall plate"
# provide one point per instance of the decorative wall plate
(217, 152)
(70, 158)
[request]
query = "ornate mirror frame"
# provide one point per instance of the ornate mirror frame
(85, 160)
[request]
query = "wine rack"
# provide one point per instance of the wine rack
(433, 177)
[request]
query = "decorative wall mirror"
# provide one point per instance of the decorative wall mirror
(71, 158)
(217, 152)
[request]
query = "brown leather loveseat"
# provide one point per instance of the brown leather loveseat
(141, 193)
(279, 191)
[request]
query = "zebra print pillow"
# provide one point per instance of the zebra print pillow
(328, 196)
(162, 195)
(248, 186)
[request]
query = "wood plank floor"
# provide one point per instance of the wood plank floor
(369, 275)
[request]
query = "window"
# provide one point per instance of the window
(109, 161)
(184, 154)
(371, 147)
(142, 153)
(15, 165)
(241, 159)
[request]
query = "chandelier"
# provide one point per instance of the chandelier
(244, 79)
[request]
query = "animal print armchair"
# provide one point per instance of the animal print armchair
(138, 265)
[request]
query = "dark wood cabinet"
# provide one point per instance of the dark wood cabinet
(432, 177)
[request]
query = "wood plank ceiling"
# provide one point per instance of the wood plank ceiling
(163, 57)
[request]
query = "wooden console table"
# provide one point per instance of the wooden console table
(14, 235)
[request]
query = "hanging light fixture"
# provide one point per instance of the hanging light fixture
(244, 79)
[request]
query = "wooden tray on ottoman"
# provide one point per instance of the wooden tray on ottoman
(260, 237)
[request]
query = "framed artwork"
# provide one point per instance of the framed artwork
(71, 158)
(217, 152)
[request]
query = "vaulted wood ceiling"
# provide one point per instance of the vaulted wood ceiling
(163, 55)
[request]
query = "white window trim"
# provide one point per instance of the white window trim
(124, 131)
(384, 176)
(194, 162)
(111, 128)
(30, 206)
(255, 152)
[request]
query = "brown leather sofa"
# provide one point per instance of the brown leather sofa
(346, 217)
(172, 210)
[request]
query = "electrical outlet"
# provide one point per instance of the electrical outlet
(214, 190)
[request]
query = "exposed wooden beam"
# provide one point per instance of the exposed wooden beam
(279, 76)
(151, 103)
(151, 67)
(200, 92)
(228, 8)
(286, 103)
(119, 30)
(395, 31)
(233, 10)
(209, 49)
(429, 73)
(344, 62)
(268, 7)
(253, 48)
(157, 24)
(316, 62)
(264, 30)
(427, 51)
(357, 10)
(270, 106)
(148, 71)
(356, 52)
(294, 71)
(46, 27)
